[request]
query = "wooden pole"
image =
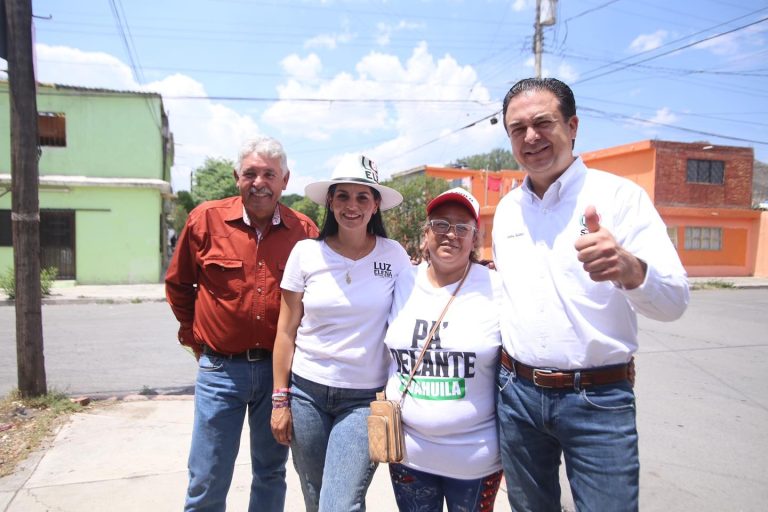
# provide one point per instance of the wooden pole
(25, 214)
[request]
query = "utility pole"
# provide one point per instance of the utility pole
(538, 40)
(25, 214)
(538, 30)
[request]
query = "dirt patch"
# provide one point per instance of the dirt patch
(26, 424)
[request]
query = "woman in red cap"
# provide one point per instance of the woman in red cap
(451, 444)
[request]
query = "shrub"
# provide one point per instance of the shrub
(47, 277)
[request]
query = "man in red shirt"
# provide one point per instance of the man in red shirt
(223, 285)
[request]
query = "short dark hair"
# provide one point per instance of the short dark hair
(331, 226)
(562, 92)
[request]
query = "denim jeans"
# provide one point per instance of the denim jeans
(418, 491)
(594, 430)
(330, 445)
(224, 390)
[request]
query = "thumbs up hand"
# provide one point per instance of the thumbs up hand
(603, 258)
(591, 219)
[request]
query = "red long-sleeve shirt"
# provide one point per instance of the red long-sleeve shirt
(223, 283)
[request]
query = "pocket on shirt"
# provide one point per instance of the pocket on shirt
(224, 277)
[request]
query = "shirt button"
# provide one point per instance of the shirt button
(258, 290)
(261, 263)
(258, 317)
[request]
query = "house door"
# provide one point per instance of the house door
(57, 241)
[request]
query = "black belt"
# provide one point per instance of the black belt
(252, 354)
(561, 379)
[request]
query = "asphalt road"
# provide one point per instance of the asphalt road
(701, 393)
(104, 349)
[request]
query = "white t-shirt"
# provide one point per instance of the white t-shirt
(339, 340)
(449, 415)
(554, 315)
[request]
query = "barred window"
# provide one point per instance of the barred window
(703, 239)
(705, 171)
(52, 129)
(672, 233)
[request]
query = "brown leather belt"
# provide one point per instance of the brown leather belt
(253, 354)
(561, 379)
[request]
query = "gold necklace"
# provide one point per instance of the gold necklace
(348, 266)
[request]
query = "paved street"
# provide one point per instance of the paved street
(702, 406)
(104, 349)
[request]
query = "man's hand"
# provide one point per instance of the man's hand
(604, 259)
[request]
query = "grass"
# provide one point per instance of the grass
(26, 423)
(712, 284)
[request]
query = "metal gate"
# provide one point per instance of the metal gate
(57, 241)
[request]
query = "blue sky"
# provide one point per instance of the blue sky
(398, 80)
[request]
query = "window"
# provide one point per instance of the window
(672, 233)
(703, 239)
(52, 129)
(6, 235)
(706, 171)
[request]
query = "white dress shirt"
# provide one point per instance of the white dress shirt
(554, 315)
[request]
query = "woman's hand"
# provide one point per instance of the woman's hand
(282, 424)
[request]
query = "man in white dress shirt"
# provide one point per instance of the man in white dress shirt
(580, 252)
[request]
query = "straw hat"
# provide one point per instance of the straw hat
(357, 170)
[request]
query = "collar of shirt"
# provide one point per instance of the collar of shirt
(275, 220)
(564, 185)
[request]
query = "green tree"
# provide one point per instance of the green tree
(214, 180)
(311, 209)
(290, 199)
(404, 223)
(185, 200)
(496, 160)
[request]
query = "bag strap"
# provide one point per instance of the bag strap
(432, 333)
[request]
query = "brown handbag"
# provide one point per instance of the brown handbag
(386, 442)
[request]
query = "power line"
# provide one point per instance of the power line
(670, 43)
(667, 125)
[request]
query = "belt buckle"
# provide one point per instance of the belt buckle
(258, 355)
(537, 372)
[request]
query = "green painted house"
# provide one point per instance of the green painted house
(105, 164)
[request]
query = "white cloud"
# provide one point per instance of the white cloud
(70, 66)
(521, 5)
(330, 41)
(402, 125)
(201, 128)
(736, 42)
(385, 30)
(562, 71)
(302, 69)
(566, 73)
(664, 116)
(646, 42)
(654, 125)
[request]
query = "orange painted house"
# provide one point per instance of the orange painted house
(703, 192)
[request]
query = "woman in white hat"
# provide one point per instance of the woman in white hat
(329, 358)
(449, 420)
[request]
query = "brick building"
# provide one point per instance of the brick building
(704, 194)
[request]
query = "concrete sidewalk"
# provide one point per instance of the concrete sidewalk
(67, 292)
(132, 456)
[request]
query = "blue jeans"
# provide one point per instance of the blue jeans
(593, 428)
(330, 445)
(418, 491)
(224, 390)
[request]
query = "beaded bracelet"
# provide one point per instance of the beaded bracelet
(281, 405)
(280, 396)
